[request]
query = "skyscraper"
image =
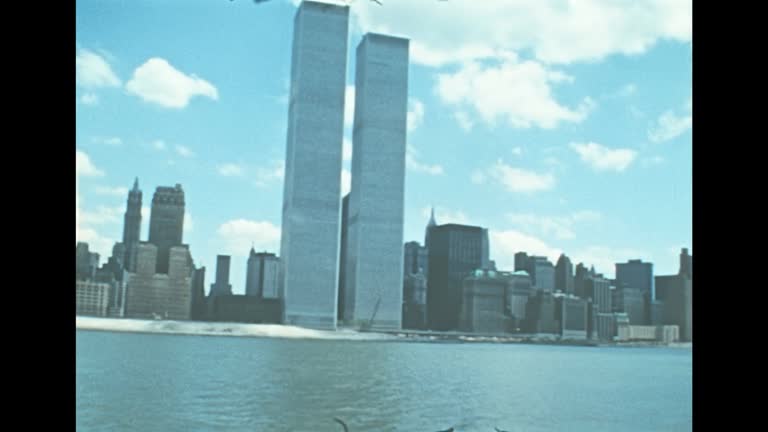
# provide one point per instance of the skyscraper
(309, 247)
(564, 275)
(415, 259)
(221, 286)
(132, 226)
(374, 270)
(166, 222)
(261, 277)
(635, 274)
(455, 252)
(686, 263)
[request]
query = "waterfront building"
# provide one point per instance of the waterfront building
(564, 275)
(309, 248)
(152, 295)
(483, 308)
(131, 227)
(636, 275)
(91, 298)
(677, 294)
(262, 275)
(166, 223)
(415, 301)
(221, 286)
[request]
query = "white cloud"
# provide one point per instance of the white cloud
(628, 90)
(184, 151)
(346, 181)
(346, 149)
(602, 158)
(462, 118)
(412, 163)
(84, 166)
(517, 92)
(188, 223)
(415, 114)
(102, 216)
(89, 99)
(240, 234)
(230, 170)
(158, 144)
(111, 191)
(515, 179)
(560, 227)
(504, 244)
(84, 233)
(517, 151)
(671, 125)
(158, 82)
(110, 141)
(349, 105)
(554, 31)
(92, 71)
(269, 175)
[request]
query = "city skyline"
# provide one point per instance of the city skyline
(233, 193)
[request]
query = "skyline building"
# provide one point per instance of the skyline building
(374, 269)
(132, 226)
(166, 222)
(262, 275)
(415, 258)
(483, 305)
(149, 294)
(309, 245)
(564, 275)
(636, 274)
(221, 285)
(454, 252)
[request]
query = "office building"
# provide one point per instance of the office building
(564, 275)
(152, 295)
(454, 252)
(519, 290)
(262, 275)
(377, 196)
(572, 316)
(637, 275)
(166, 223)
(677, 294)
(415, 259)
(309, 249)
(415, 301)
(91, 298)
(86, 262)
(198, 307)
(633, 302)
(221, 285)
(686, 263)
(132, 227)
(245, 309)
(541, 317)
(483, 307)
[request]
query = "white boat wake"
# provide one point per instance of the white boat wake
(221, 329)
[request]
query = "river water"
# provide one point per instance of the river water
(156, 382)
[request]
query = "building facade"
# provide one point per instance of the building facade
(455, 251)
(519, 291)
(637, 275)
(677, 294)
(572, 316)
(564, 275)
(309, 248)
(91, 298)
(132, 227)
(86, 262)
(166, 223)
(262, 275)
(152, 295)
(415, 301)
(483, 307)
(377, 197)
(221, 285)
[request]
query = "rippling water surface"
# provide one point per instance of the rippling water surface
(153, 382)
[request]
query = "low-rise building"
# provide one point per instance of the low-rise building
(91, 298)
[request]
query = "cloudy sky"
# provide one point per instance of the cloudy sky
(562, 126)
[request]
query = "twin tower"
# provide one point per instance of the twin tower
(310, 241)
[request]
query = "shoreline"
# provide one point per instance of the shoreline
(279, 331)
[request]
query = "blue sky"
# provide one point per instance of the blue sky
(560, 126)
